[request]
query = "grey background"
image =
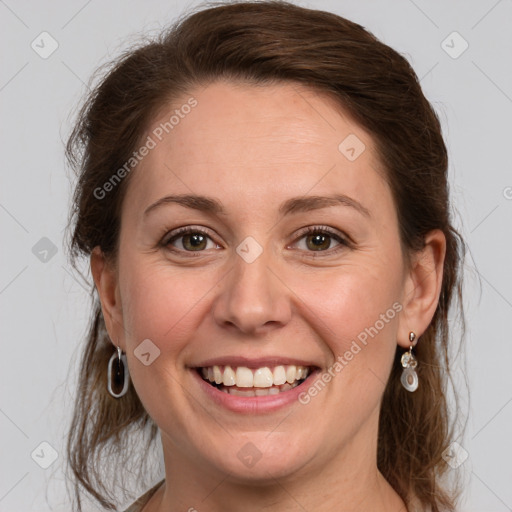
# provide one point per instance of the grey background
(44, 306)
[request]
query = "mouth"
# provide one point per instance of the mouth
(255, 382)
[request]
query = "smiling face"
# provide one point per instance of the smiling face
(250, 287)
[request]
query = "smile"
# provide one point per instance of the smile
(246, 382)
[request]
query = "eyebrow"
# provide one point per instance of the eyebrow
(292, 205)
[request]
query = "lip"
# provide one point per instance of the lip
(255, 363)
(253, 404)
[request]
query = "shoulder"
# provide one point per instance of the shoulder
(137, 505)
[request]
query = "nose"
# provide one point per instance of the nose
(252, 299)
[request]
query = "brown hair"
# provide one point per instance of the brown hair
(260, 43)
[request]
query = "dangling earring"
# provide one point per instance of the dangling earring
(409, 378)
(117, 375)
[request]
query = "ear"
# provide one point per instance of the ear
(422, 288)
(106, 280)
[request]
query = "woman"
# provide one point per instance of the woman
(263, 197)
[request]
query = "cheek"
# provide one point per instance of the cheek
(161, 303)
(356, 314)
(354, 309)
(348, 301)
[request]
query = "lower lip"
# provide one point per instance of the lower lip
(254, 404)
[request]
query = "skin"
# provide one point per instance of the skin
(251, 148)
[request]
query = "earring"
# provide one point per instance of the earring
(117, 375)
(409, 378)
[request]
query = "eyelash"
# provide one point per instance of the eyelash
(318, 230)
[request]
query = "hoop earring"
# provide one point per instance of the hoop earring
(409, 378)
(118, 376)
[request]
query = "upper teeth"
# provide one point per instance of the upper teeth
(264, 377)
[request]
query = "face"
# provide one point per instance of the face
(260, 278)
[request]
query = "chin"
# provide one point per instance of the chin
(259, 458)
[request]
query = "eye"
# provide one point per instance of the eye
(320, 239)
(189, 239)
(311, 239)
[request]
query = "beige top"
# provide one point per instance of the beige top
(142, 500)
(138, 505)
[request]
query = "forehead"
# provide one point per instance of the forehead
(241, 141)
